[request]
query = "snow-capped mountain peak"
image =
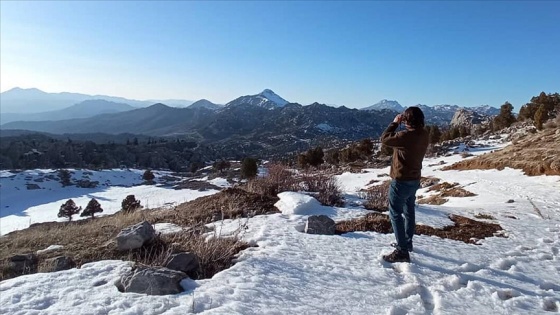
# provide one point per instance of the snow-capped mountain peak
(271, 96)
(386, 104)
(267, 99)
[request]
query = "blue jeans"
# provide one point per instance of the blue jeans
(402, 196)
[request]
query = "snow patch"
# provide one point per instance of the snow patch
(296, 203)
(50, 248)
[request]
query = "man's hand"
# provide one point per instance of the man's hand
(398, 119)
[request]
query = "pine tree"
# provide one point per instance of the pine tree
(222, 165)
(366, 148)
(540, 117)
(315, 156)
(302, 161)
(249, 168)
(148, 176)
(68, 209)
(130, 204)
(505, 118)
(65, 177)
(92, 208)
(332, 157)
(434, 134)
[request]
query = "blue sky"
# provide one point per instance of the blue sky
(345, 53)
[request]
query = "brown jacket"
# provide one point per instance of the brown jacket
(409, 147)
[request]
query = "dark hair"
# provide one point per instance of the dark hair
(414, 117)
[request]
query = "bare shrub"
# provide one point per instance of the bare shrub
(278, 179)
(377, 197)
(326, 187)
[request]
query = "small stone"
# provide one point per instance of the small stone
(135, 236)
(510, 201)
(320, 224)
(23, 264)
(185, 262)
(59, 263)
(151, 281)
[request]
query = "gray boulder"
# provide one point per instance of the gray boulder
(59, 263)
(23, 264)
(135, 236)
(151, 281)
(185, 262)
(320, 224)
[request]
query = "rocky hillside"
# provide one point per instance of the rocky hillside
(536, 153)
(469, 119)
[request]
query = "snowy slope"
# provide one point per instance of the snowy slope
(20, 207)
(295, 273)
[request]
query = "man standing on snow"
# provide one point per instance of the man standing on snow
(409, 147)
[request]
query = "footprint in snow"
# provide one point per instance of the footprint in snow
(506, 294)
(546, 241)
(454, 283)
(550, 304)
(468, 267)
(545, 285)
(504, 263)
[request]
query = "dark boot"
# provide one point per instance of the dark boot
(397, 256)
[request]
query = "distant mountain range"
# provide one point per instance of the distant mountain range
(83, 109)
(18, 100)
(263, 122)
(438, 114)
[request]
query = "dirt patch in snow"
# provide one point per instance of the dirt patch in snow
(464, 230)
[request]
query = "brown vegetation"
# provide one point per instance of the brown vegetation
(433, 200)
(377, 197)
(444, 190)
(535, 154)
(464, 230)
(230, 203)
(92, 240)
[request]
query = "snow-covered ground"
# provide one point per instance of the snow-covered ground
(295, 273)
(21, 207)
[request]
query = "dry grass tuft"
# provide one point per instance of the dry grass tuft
(93, 240)
(377, 197)
(484, 216)
(457, 192)
(433, 200)
(442, 186)
(464, 230)
(375, 222)
(444, 190)
(428, 181)
(279, 179)
(535, 154)
(230, 203)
